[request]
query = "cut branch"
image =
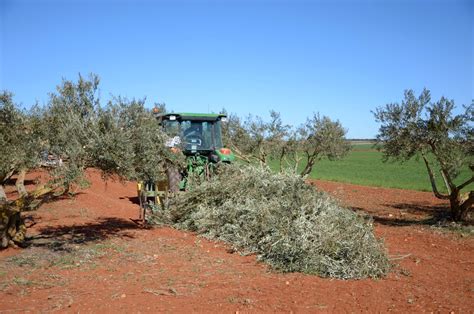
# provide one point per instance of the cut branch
(241, 155)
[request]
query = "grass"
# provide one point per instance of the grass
(364, 166)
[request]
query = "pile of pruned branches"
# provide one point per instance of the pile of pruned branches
(286, 222)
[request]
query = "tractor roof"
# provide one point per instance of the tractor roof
(193, 116)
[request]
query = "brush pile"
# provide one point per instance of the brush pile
(286, 222)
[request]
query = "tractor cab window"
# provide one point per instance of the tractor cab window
(171, 128)
(195, 135)
(217, 135)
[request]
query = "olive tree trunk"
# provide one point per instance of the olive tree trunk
(12, 226)
(461, 204)
(20, 183)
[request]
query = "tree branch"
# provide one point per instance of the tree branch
(446, 182)
(20, 183)
(8, 175)
(445, 173)
(241, 155)
(297, 162)
(432, 180)
(471, 180)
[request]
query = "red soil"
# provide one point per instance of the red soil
(162, 269)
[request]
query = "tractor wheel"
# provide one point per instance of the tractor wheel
(174, 178)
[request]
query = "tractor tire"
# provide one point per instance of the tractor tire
(174, 178)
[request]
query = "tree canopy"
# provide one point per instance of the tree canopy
(256, 139)
(419, 127)
(122, 139)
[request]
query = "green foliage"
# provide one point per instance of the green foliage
(121, 139)
(419, 126)
(132, 142)
(254, 138)
(267, 142)
(286, 222)
(19, 140)
(322, 138)
(68, 124)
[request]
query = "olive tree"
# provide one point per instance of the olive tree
(20, 147)
(322, 138)
(122, 139)
(19, 143)
(255, 139)
(130, 143)
(444, 140)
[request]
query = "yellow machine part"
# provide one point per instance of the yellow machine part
(159, 191)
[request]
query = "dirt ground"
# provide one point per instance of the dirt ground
(88, 255)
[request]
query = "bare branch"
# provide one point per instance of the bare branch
(241, 155)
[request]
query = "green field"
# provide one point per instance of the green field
(364, 166)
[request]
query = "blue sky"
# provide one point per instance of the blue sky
(339, 58)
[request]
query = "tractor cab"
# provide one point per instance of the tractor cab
(199, 137)
(197, 134)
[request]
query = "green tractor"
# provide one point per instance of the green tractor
(199, 137)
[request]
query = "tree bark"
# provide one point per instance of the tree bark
(3, 195)
(433, 182)
(4, 218)
(309, 166)
(12, 226)
(447, 178)
(282, 156)
(20, 183)
(461, 205)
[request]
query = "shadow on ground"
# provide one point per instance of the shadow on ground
(132, 199)
(12, 181)
(407, 214)
(60, 238)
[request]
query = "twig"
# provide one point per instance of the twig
(399, 257)
(169, 292)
